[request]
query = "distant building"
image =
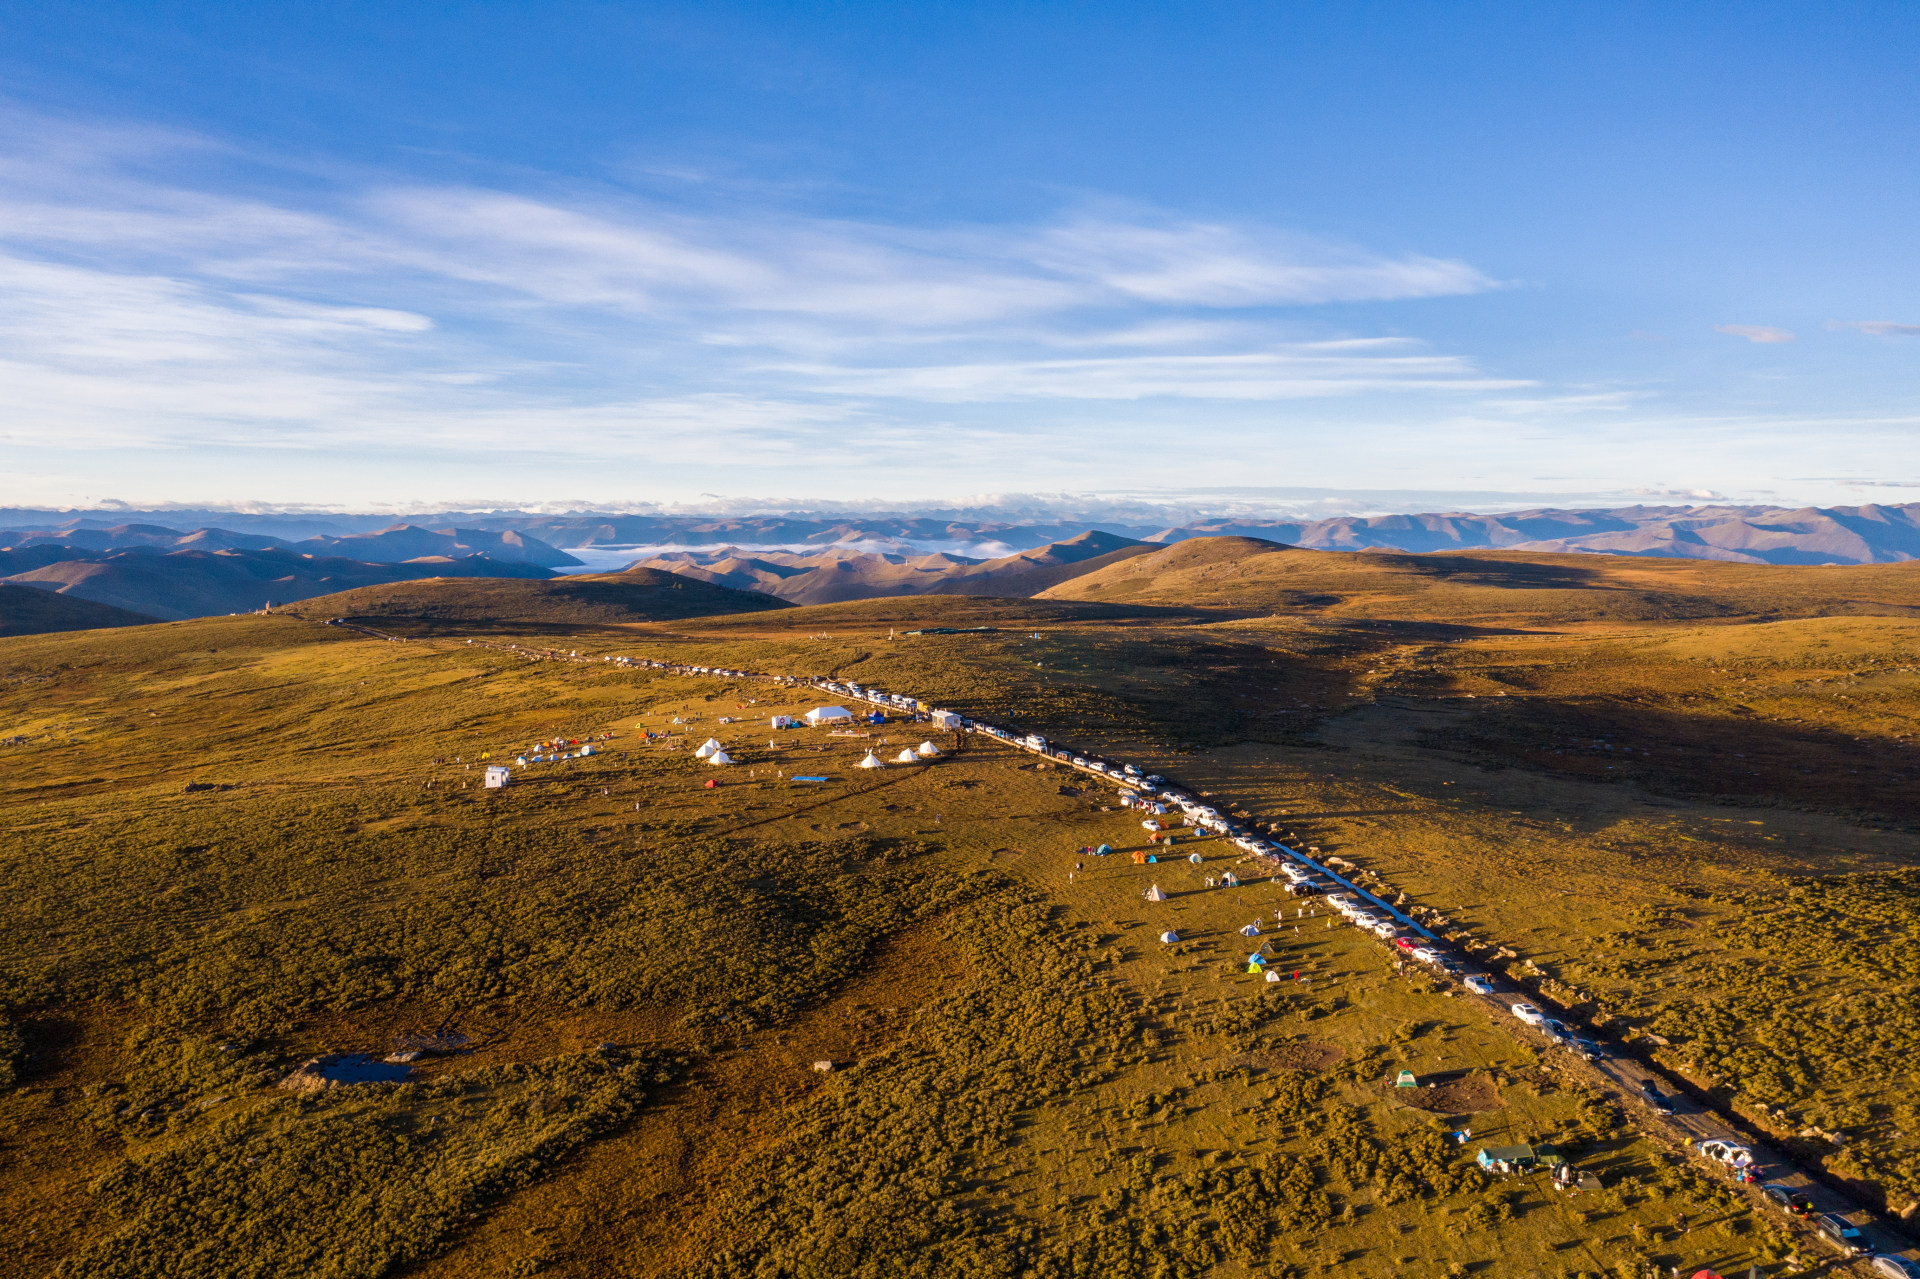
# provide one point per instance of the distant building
(498, 776)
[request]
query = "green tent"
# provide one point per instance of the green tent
(1406, 1080)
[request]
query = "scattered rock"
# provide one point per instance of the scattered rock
(439, 1043)
(824, 1067)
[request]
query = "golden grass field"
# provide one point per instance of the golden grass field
(1029, 1082)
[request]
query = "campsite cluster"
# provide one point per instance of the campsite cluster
(1302, 875)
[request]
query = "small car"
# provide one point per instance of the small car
(1788, 1199)
(1406, 944)
(1655, 1098)
(1842, 1234)
(1727, 1152)
(1479, 984)
(1529, 1014)
(1425, 954)
(1894, 1266)
(1385, 929)
(1591, 1049)
(1303, 889)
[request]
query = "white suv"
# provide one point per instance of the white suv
(1529, 1014)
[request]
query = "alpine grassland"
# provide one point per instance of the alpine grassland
(903, 1021)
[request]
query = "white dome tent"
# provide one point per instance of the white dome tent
(1169, 937)
(872, 761)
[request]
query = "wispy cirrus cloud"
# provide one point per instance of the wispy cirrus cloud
(1295, 371)
(1764, 334)
(1878, 328)
(255, 307)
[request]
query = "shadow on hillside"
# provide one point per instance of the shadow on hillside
(1744, 762)
(912, 611)
(1509, 574)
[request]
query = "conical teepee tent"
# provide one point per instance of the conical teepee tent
(707, 748)
(929, 751)
(719, 757)
(872, 761)
(1155, 895)
(906, 757)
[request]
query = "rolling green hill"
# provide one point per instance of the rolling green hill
(238, 843)
(554, 605)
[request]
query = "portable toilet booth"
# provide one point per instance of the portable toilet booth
(498, 775)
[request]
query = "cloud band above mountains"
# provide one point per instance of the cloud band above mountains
(265, 308)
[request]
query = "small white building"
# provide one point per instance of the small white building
(947, 720)
(498, 775)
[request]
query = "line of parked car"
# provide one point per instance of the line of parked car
(1302, 877)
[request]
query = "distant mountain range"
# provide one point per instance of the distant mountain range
(159, 571)
(1751, 534)
(181, 584)
(829, 577)
(392, 545)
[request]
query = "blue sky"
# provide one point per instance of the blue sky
(417, 256)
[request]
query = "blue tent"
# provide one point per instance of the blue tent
(1103, 850)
